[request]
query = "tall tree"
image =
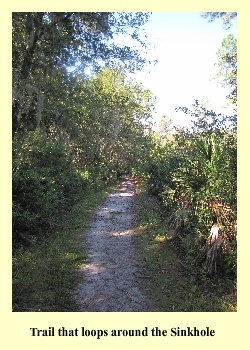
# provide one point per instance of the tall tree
(227, 55)
(116, 110)
(164, 128)
(227, 65)
(45, 44)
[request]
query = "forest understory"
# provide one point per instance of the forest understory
(80, 122)
(169, 277)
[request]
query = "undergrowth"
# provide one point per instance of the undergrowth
(44, 273)
(170, 281)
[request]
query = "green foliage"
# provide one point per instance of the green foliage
(44, 184)
(194, 174)
(45, 273)
(227, 55)
(72, 132)
(47, 44)
(227, 65)
(167, 275)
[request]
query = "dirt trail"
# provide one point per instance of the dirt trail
(109, 278)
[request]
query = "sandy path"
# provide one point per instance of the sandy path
(109, 278)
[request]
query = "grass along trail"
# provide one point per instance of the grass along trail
(118, 257)
(170, 281)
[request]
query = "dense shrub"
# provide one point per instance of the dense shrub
(194, 174)
(44, 183)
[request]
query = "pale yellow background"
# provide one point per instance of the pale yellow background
(231, 328)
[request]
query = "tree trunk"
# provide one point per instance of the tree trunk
(33, 32)
(33, 27)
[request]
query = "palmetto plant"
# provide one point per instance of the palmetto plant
(209, 148)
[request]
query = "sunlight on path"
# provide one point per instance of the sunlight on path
(109, 282)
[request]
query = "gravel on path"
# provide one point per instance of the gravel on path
(109, 282)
